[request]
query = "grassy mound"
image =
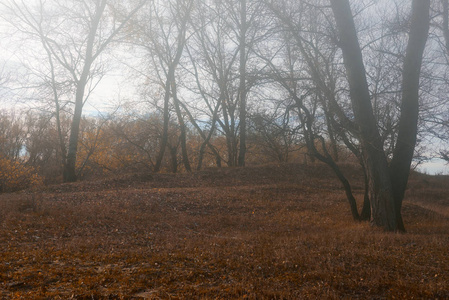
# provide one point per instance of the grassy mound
(269, 232)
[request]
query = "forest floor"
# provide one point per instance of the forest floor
(267, 232)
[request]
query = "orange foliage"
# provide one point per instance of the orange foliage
(15, 176)
(96, 151)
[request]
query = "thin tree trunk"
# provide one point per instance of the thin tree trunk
(168, 83)
(166, 117)
(326, 158)
(242, 86)
(205, 143)
(183, 135)
(365, 215)
(70, 170)
(332, 138)
(207, 138)
(61, 141)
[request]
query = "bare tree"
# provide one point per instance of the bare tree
(73, 36)
(220, 50)
(276, 135)
(387, 184)
(436, 116)
(162, 37)
(214, 62)
(242, 82)
(309, 73)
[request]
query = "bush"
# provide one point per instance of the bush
(15, 176)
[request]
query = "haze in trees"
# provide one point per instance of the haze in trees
(231, 82)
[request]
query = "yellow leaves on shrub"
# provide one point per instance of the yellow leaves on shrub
(97, 148)
(15, 176)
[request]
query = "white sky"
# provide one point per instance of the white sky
(434, 167)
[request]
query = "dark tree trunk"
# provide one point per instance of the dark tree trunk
(408, 121)
(231, 143)
(382, 202)
(313, 152)
(344, 181)
(386, 186)
(211, 147)
(365, 215)
(174, 158)
(61, 141)
(326, 158)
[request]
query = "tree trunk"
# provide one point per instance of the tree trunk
(387, 186)
(174, 158)
(382, 202)
(70, 170)
(166, 117)
(365, 215)
(61, 141)
(232, 150)
(211, 147)
(183, 135)
(207, 138)
(69, 173)
(242, 86)
(332, 138)
(408, 121)
(181, 39)
(326, 158)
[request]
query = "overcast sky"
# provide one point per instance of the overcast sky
(114, 88)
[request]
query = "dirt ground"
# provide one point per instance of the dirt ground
(267, 232)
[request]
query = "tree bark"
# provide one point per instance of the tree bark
(365, 215)
(387, 186)
(174, 158)
(242, 86)
(408, 121)
(382, 202)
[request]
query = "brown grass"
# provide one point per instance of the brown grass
(271, 232)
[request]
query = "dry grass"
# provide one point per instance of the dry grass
(272, 232)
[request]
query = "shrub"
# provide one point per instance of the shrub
(15, 176)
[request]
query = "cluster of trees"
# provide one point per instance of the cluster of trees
(220, 80)
(128, 142)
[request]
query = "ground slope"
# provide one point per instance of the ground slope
(269, 232)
